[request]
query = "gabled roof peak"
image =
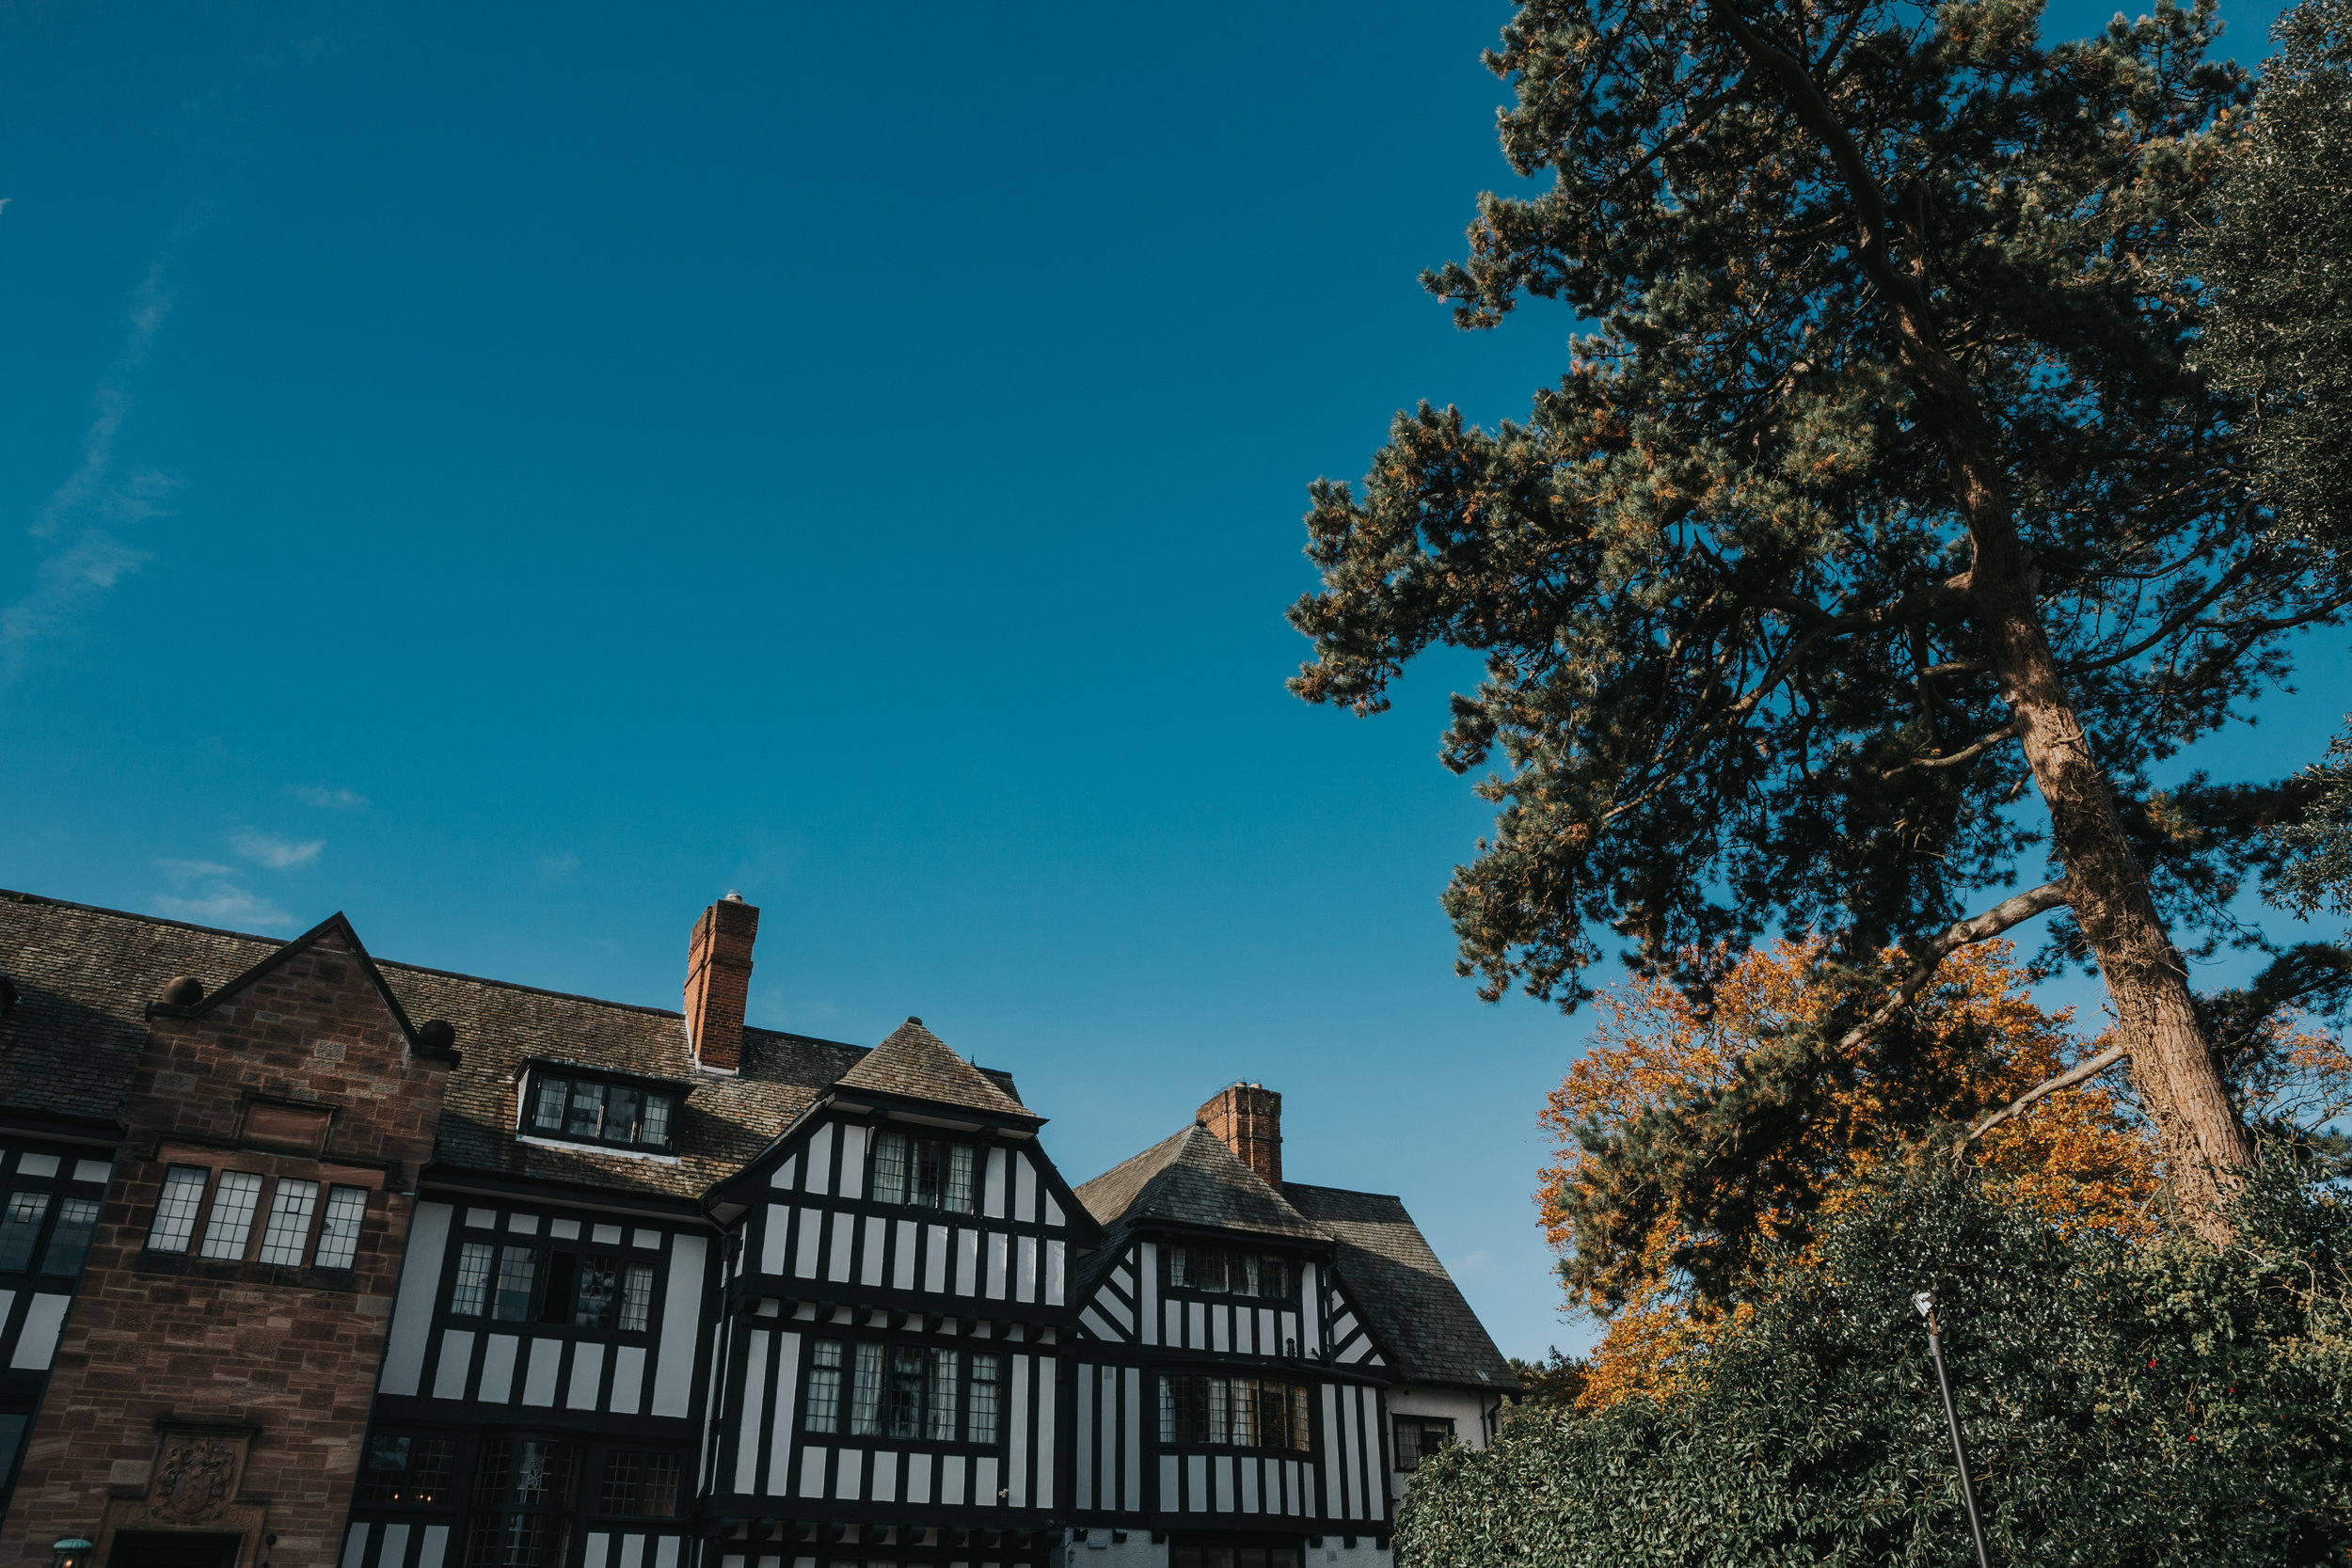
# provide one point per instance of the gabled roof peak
(1192, 1177)
(915, 1063)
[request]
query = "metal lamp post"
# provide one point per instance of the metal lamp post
(1925, 1301)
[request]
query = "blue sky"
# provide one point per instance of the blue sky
(515, 473)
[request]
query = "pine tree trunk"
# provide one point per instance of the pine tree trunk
(2204, 1142)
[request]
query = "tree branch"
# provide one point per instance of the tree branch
(1928, 957)
(2066, 1080)
(1966, 753)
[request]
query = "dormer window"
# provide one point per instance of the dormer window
(574, 1107)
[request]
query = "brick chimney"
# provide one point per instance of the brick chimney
(719, 982)
(1249, 1116)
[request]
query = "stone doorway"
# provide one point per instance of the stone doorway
(173, 1548)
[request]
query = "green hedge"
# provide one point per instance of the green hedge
(2173, 1405)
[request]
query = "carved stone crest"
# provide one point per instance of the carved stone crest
(193, 1477)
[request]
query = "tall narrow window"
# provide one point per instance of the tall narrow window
(1273, 1277)
(925, 1189)
(471, 1293)
(547, 1114)
(20, 1228)
(1220, 1411)
(908, 1376)
(68, 1243)
(825, 1386)
(637, 1298)
(980, 1405)
(290, 1210)
(890, 1168)
(519, 1272)
(656, 1123)
(176, 1210)
(555, 1291)
(958, 1179)
(1298, 1420)
(621, 1123)
(946, 1407)
(234, 1197)
(1241, 1413)
(587, 1117)
(598, 1292)
(865, 1397)
(339, 1232)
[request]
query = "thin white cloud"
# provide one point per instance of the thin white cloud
(79, 531)
(327, 800)
(279, 854)
(558, 867)
(185, 871)
(207, 895)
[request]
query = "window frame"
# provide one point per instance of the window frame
(1231, 1257)
(1398, 1423)
(942, 1152)
(853, 1425)
(260, 1229)
(538, 1074)
(1214, 1404)
(629, 1314)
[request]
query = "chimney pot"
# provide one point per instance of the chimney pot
(719, 982)
(1247, 1118)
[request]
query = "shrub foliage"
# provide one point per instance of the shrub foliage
(2171, 1403)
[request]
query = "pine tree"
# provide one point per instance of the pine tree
(1886, 485)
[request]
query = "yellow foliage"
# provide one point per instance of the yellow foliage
(2076, 1156)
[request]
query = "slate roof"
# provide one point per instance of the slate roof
(67, 1048)
(916, 1062)
(1411, 1305)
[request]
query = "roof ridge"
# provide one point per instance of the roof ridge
(17, 895)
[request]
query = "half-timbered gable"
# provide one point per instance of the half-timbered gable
(899, 1315)
(1202, 1390)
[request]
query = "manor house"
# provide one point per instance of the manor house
(314, 1260)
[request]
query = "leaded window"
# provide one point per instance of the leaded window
(1234, 1412)
(471, 1292)
(865, 1394)
(405, 1469)
(176, 1210)
(592, 1110)
(1229, 1271)
(235, 1197)
(924, 1173)
(289, 1234)
(518, 1276)
(339, 1232)
(20, 1229)
(523, 1504)
(825, 1386)
(639, 1485)
(637, 1298)
(68, 1243)
(981, 1398)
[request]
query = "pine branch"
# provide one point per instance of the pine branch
(2066, 1079)
(1953, 759)
(2010, 911)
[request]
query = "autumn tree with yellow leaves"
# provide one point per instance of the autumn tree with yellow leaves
(1665, 1238)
